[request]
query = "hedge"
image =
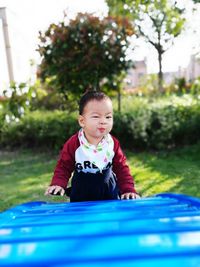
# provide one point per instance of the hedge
(159, 127)
(154, 125)
(39, 129)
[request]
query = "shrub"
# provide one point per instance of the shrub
(162, 124)
(1, 121)
(40, 129)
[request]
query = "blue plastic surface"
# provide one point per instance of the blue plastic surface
(163, 230)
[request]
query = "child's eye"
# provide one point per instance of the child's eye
(95, 117)
(108, 117)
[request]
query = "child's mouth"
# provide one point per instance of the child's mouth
(101, 130)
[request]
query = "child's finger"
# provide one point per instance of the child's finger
(57, 190)
(49, 190)
(124, 196)
(62, 192)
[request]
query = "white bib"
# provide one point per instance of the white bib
(99, 155)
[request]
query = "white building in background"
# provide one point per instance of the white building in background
(136, 74)
(191, 72)
(169, 77)
(139, 72)
(193, 69)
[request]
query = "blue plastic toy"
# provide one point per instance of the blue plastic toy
(163, 230)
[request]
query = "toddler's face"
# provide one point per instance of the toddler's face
(97, 119)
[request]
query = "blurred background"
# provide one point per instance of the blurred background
(26, 19)
(144, 54)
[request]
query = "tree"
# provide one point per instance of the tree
(16, 100)
(85, 53)
(158, 21)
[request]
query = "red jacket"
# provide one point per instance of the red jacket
(66, 165)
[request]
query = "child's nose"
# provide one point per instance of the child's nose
(102, 121)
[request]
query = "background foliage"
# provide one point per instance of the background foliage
(91, 53)
(144, 124)
(84, 53)
(159, 22)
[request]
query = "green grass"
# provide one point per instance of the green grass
(176, 171)
(24, 175)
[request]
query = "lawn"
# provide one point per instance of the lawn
(24, 175)
(176, 171)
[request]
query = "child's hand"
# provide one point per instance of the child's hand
(129, 196)
(55, 190)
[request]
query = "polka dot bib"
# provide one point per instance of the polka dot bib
(99, 155)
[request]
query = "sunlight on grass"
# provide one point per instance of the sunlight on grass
(176, 171)
(25, 175)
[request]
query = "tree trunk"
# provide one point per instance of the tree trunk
(119, 100)
(160, 73)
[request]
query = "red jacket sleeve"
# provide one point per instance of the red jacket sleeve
(66, 163)
(122, 171)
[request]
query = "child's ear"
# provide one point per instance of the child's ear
(81, 121)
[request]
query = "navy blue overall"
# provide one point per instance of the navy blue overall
(94, 186)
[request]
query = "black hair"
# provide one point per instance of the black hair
(88, 96)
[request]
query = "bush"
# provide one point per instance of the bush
(40, 129)
(159, 125)
(145, 125)
(1, 121)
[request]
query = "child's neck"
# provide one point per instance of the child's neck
(93, 141)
